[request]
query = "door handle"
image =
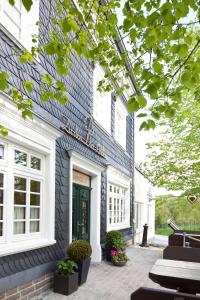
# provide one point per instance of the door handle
(80, 225)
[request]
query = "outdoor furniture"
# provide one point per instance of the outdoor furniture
(183, 237)
(156, 294)
(183, 276)
(182, 253)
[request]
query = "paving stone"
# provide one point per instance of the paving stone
(107, 282)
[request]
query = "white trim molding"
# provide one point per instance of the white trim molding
(94, 170)
(32, 136)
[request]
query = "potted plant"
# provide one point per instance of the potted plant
(80, 251)
(119, 258)
(66, 277)
(114, 241)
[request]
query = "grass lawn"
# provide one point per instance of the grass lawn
(164, 231)
(167, 230)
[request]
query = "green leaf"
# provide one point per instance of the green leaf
(186, 78)
(142, 101)
(157, 66)
(28, 86)
(12, 2)
(3, 130)
(143, 125)
(27, 4)
(142, 115)
(133, 105)
(155, 115)
(151, 124)
(3, 81)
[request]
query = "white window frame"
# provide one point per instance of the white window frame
(39, 138)
(27, 26)
(102, 116)
(118, 179)
(138, 215)
(121, 113)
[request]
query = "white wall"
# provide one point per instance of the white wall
(142, 189)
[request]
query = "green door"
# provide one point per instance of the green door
(81, 213)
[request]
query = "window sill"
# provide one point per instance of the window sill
(21, 246)
(118, 227)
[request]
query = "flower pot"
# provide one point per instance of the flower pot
(65, 285)
(83, 269)
(119, 263)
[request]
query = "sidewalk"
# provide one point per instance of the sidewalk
(107, 282)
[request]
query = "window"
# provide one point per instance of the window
(25, 179)
(102, 102)
(20, 23)
(138, 215)
(1, 151)
(120, 123)
(118, 205)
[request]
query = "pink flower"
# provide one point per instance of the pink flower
(113, 252)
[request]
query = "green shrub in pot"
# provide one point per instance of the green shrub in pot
(66, 277)
(80, 251)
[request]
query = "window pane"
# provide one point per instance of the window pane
(35, 186)
(34, 226)
(1, 152)
(1, 212)
(35, 199)
(35, 163)
(20, 158)
(19, 227)
(1, 197)
(1, 229)
(20, 183)
(1, 180)
(34, 213)
(20, 198)
(20, 213)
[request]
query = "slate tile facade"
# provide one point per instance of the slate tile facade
(22, 268)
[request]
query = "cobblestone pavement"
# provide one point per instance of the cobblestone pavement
(107, 282)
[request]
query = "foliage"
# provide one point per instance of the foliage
(173, 160)
(79, 250)
(183, 213)
(114, 239)
(161, 51)
(118, 256)
(66, 267)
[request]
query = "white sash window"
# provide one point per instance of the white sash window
(18, 22)
(102, 102)
(27, 181)
(120, 122)
(118, 200)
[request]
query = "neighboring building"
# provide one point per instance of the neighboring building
(144, 206)
(58, 185)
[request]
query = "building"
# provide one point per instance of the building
(144, 206)
(66, 174)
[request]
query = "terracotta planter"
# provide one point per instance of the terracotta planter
(65, 285)
(83, 269)
(119, 263)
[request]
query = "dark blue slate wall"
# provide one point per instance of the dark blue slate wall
(79, 82)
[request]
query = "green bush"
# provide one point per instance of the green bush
(66, 267)
(79, 250)
(114, 239)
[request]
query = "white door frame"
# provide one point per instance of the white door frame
(84, 165)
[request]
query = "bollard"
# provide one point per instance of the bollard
(144, 238)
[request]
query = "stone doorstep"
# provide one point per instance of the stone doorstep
(30, 290)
